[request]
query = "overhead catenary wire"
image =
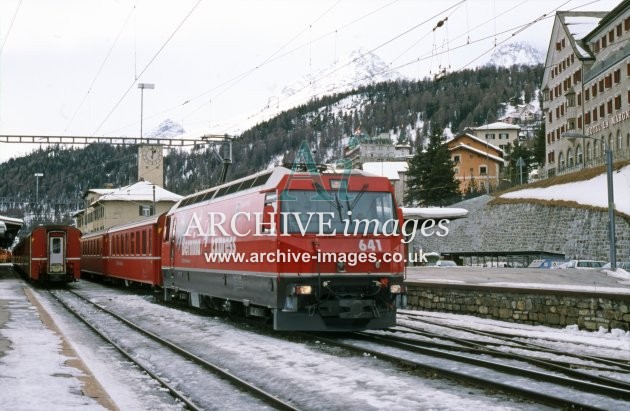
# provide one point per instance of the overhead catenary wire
(273, 57)
(155, 56)
(100, 69)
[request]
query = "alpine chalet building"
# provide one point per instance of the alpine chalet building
(586, 89)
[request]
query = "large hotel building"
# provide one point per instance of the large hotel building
(586, 89)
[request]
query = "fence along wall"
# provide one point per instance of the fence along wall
(539, 307)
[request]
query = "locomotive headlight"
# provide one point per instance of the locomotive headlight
(303, 289)
(395, 289)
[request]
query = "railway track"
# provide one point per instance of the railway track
(173, 367)
(511, 341)
(531, 382)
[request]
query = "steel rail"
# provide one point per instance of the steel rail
(173, 391)
(531, 394)
(235, 380)
(511, 338)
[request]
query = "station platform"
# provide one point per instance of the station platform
(578, 280)
(35, 356)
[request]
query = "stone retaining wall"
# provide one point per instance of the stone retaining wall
(539, 307)
(577, 233)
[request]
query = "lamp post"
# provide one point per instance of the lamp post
(611, 195)
(142, 86)
(37, 176)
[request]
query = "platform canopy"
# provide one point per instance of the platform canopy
(426, 213)
(9, 228)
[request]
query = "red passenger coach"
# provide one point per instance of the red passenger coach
(308, 251)
(129, 252)
(49, 254)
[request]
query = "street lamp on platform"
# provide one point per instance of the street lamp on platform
(37, 176)
(142, 86)
(611, 195)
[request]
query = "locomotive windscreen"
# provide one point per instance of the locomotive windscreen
(327, 212)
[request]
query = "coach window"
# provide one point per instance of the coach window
(138, 243)
(144, 242)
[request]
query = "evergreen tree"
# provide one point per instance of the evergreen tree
(431, 177)
(539, 145)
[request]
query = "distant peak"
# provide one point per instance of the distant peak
(166, 129)
(507, 55)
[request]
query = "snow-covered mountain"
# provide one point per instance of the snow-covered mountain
(166, 129)
(359, 68)
(507, 55)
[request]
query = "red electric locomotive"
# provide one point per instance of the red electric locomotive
(49, 254)
(309, 251)
(129, 252)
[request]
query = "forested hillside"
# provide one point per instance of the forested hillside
(409, 110)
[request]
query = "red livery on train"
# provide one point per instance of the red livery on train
(303, 250)
(126, 253)
(49, 254)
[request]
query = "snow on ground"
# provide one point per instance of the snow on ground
(593, 192)
(33, 373)
(615, 339)
(620, 274)
(319, 376)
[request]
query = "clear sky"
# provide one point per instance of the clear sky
(71, 67)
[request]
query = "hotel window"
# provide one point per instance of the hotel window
(601, 85)
(483, 170)
(577, 76)
(596, 47)
(595, 114)
(619, 30)
(610, 106)
(626, 23)
(604, 43)
(456, 159)
(587, 95)
(608, 81)
(587, 118)
(611, 36)
(618, 102)
(617, 76)
(594, 90)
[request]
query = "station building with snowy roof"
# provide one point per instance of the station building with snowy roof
(499, 134)
(108, 207)
(395, 171)
(586, 89)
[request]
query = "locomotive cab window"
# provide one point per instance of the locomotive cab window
(356, 212)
